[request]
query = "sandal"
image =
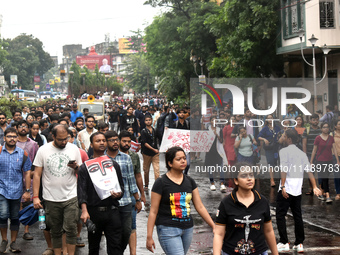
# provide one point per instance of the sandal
(48, 251)
(310, 193)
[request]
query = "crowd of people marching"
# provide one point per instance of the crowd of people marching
(82, 172)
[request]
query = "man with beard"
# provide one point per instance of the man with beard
(84, 135)
(31, 148)
(130, 120)
(103, 213)
(56, 165)
(13, 162)
(3, 126)
(124, 146)
(130, 187)
(50, 111)
(79, 124)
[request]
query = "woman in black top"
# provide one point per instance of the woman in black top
(170, 206)
(243, 221)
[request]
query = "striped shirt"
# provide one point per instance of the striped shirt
(130, 186)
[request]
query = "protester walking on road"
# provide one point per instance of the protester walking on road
(170, 206)
(97, 204)
(322, 153)
(14, 164)
(243, 144)
(56, 165)
(268, 135)
(289, 195)
(243, 222)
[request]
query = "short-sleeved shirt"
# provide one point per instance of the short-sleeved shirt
(174, 209)
(324, 152)
(244, 225)
(313, 133)
(245, 148)
(11, 168)
(58, 180)
(74, 116)
(113, 116)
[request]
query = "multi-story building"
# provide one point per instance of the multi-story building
(320, 18)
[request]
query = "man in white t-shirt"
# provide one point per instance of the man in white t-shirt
(293, 163)
(56, 164)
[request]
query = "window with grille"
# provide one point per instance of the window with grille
(327, 14)
(292, 16)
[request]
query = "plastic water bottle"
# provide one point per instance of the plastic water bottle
(42, 218)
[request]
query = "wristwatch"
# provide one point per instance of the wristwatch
(138, 200)
(27, 190)
(282, 187)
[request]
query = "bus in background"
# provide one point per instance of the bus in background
(22, 94)
(45, 94)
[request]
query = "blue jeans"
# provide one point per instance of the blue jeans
(9, 209)
(174, 241)
(263, 253)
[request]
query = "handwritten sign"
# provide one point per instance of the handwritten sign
(189, 140)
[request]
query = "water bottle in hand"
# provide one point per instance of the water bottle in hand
(42, 218)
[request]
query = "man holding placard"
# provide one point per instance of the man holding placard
(100, 186)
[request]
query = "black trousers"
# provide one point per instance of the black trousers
(126, 221)
(108, 222)
(282, 206)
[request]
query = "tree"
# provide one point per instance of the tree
(3, 54)
(246, 32)
(174, 38)
(26, 57)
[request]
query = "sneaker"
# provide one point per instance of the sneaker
(13, 247)
(298, 248)
(223, 189)
(329, 200)
(322, 198)
(27, 236)
(283, 247)
(80, 242)
(212, 187)
(3, 246)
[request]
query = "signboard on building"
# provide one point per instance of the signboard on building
(123, 44)
(91, 61)
(14, 80)
(36, 78)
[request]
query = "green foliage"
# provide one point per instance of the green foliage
(84, 79)
(26, 56)
(3, 52)
(246, 31)
(174, 38)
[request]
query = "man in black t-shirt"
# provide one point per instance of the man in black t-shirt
(114, 119)
(129, 120)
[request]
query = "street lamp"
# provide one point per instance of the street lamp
(325, 51)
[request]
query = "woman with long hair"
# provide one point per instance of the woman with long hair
(268, 135)
(243, 221)
(170, 206)
(322, 152)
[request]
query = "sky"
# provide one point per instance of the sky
(57, 23)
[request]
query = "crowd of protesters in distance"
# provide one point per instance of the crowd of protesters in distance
(56, 148)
